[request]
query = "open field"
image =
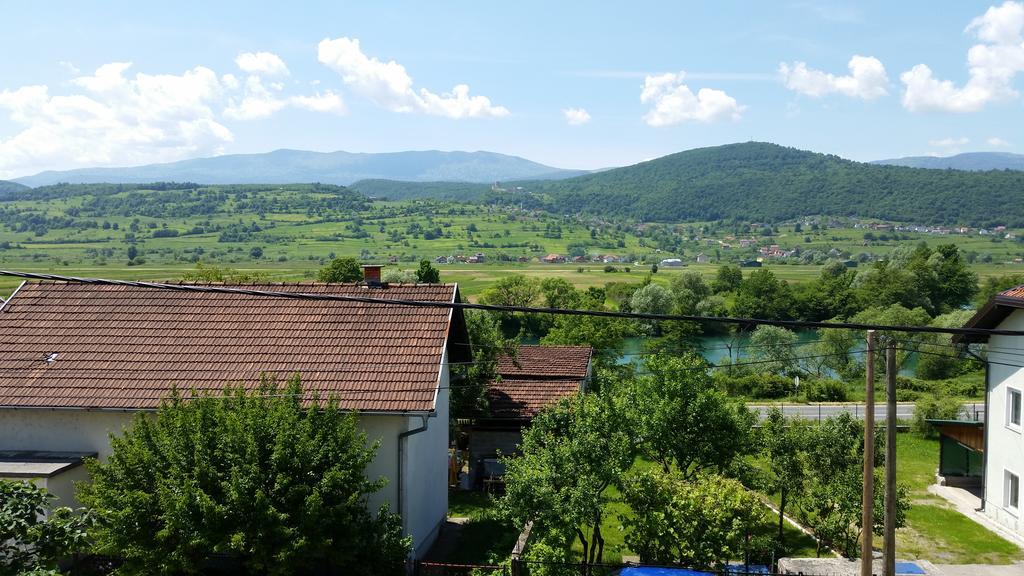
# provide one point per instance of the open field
(472, 278)
(291, 231)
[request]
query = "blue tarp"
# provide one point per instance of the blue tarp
(659, 571)
(908, 568)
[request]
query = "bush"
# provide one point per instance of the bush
(32, 539)
(276, 486)
(931, 407)
(760, 385)
(825, 390)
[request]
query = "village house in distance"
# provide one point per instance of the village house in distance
(81, 360)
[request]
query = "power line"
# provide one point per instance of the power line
(202, 288)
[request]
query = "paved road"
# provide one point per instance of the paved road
(904, 410)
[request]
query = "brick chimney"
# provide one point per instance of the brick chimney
(371, 274)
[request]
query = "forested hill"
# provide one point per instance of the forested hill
(7, 186)
(765, 182)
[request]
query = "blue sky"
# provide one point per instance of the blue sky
(570, 84)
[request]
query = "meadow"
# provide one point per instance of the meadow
(288, 233)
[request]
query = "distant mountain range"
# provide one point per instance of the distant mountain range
(342, 168)
(967, 161)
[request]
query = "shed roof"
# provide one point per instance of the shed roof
(69, 345)
(537, 377)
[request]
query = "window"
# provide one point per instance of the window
(1013, 407)
(1011, 490)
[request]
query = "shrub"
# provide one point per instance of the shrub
(825, 390)
(276, 486)
(759, 385)
(931, 407)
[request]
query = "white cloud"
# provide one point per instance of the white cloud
(114, 120)
(992, 66)
(673, 102)
(867, 79)
(388, 84)
(262, 63)
(949, 142)
(576, 116)
(997, 142)
(259, 102)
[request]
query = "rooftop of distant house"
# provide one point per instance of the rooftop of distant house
(538, 376)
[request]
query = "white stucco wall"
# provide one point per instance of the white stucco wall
(1005, 450)
(426, 472)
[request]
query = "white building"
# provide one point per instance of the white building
(80, 361)
(1004, 434)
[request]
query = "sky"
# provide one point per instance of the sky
(569, 84)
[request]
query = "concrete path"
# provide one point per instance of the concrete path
(981, 569)
(969, 504)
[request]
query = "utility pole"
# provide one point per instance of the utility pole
(889, 542)
(868, 501)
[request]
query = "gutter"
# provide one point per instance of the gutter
(402, 436)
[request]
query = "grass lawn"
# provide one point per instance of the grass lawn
(934, 530)
(484, 539)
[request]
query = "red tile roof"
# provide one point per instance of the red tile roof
(551, 361)
(125, 347)
(522, 399)
(1017, 292)
(537, 377)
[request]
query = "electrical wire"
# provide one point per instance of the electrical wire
(219, 289)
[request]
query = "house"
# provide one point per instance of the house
(671, 262)
(702, 258)
(750, 264)
(537, 377)
(1002, 447)
(554, 259)
(80, 361)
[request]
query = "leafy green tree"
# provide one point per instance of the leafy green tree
(570, 455)
(993, 285)
(341, 270)
(830, 295)
(396, 276)
(469, 398)
(893, 315)
(762, 295)
(727, 279)
(277, 485)
(132, 252)
(931, 407)
(830, 503)
(427, 273)
(515, 290)
(782, 444)
(888, 283)
(702, 522)
(651, 299)
(688, 290)
(682, 418)
(34, 537)
(774, 345)
(605, 335)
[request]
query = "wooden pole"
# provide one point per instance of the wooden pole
(868, 500)
(889, 542)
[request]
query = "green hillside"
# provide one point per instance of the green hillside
(765, 182)
(8, 186)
